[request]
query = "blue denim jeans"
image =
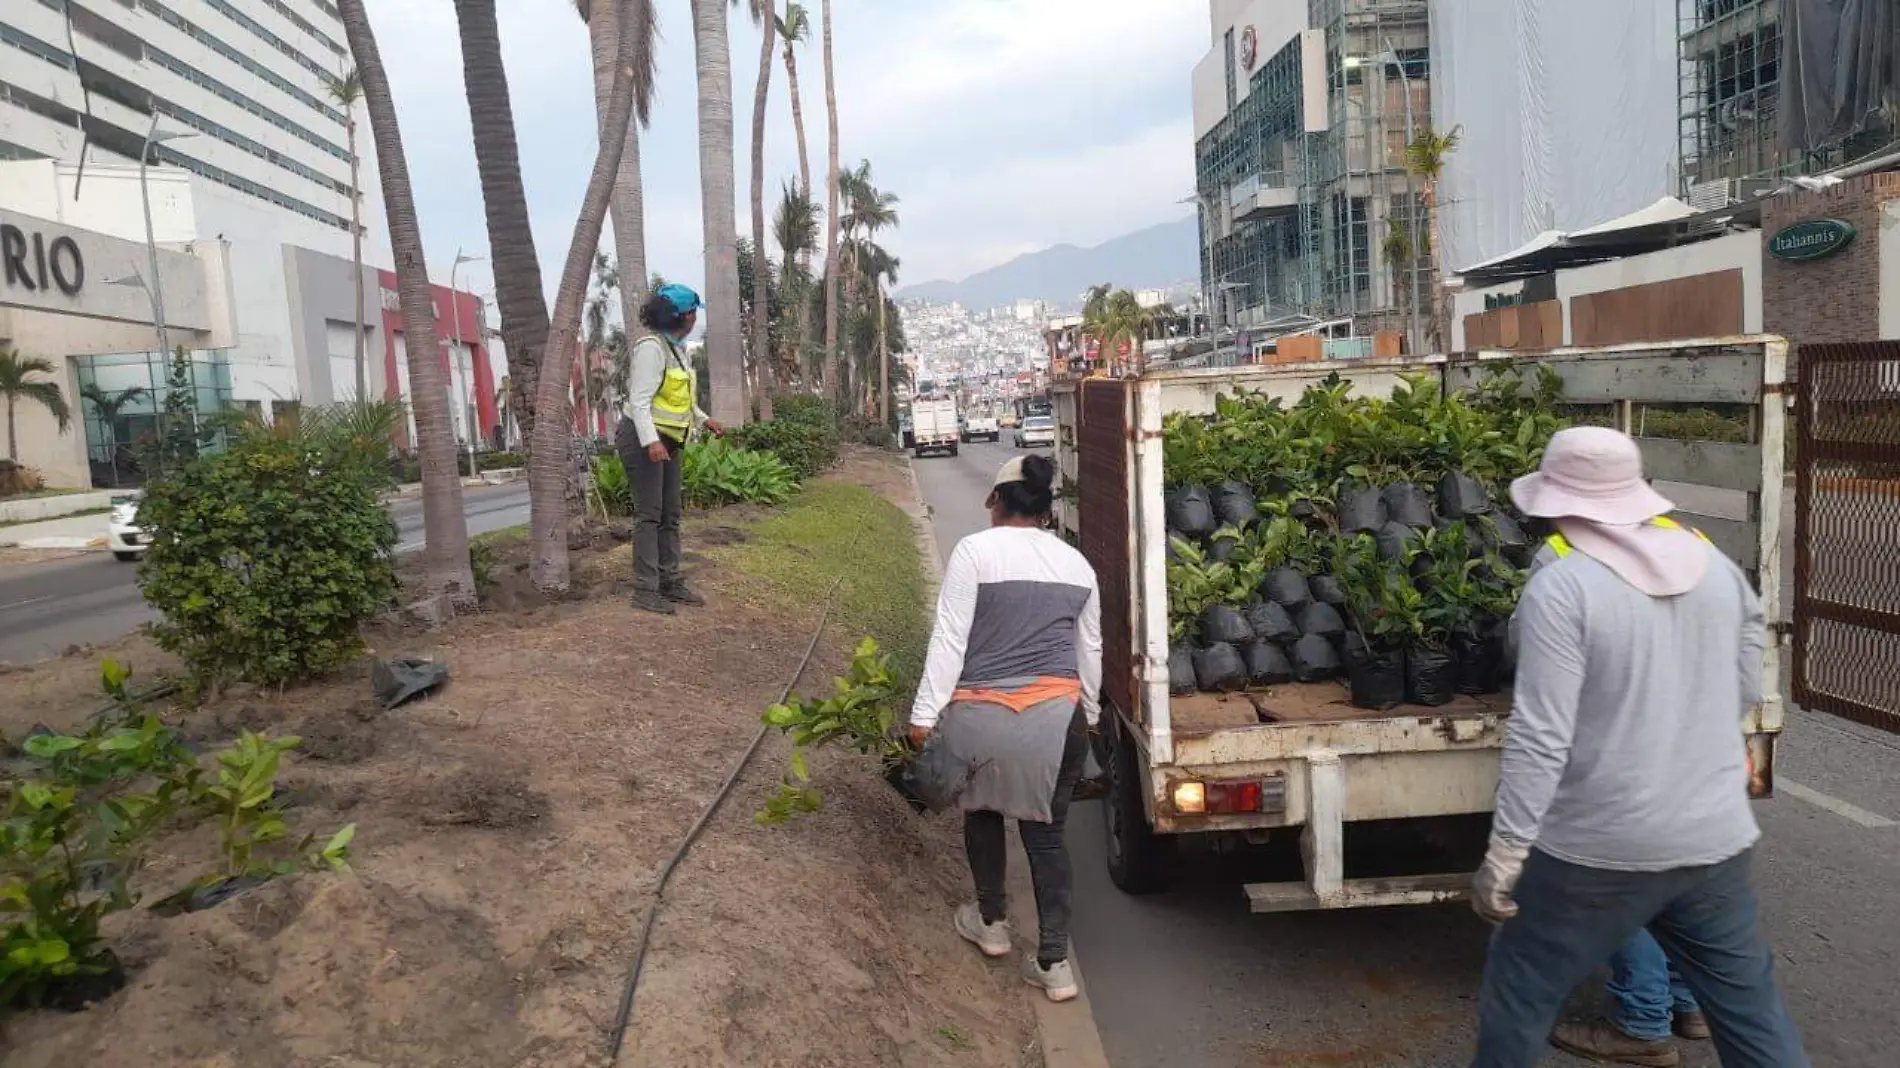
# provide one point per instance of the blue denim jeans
(1570, 918)
(1648, 990)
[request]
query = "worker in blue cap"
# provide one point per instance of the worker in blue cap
(661, 415)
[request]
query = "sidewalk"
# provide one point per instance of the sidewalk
(71, 532)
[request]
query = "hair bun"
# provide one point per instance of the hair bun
(1039, 472)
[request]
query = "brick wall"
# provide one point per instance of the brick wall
(1838, 298)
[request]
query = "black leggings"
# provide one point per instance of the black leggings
(983, 840)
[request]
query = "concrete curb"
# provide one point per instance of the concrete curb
(1066, 1032)
(61, 543)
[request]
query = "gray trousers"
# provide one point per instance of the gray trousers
(656, 510)
(1049, 871)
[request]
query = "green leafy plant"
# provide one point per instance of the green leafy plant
(714, 473)
(481, 564)
(266, 558)
(859, 715)
(610, 478)
(807, 444)
(249, 823)
(75, 811)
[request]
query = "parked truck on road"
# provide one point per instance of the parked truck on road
(1299, 755)
(933, 425)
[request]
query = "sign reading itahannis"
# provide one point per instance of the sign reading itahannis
(1813, 239)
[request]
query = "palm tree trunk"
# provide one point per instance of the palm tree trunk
(445, 527)
(356, 255)
(831, 210)
(548, 457)
(883, 360)
(629, 200)
(798, 123)
(762, 263)
(1438, 329)
(725, 359)
(13, 442)
(517, 271)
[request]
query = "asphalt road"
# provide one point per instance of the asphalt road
(46, 607)
(1192, 978)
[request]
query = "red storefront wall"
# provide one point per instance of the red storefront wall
(448, 307)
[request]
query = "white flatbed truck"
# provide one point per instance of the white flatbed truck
(1300, 756)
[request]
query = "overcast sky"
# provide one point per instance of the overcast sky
(1004, 125)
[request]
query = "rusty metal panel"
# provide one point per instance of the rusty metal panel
(1847, 532)
(1107, 524)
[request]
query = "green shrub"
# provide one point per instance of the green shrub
(496, 461)
(610, 477)
(809, 447)
(266, 558)
(713, 473)
(862, 431)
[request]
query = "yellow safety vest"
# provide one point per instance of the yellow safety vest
(1562, 547)
(673, 403)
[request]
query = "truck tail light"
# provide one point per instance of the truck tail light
(1195, 798)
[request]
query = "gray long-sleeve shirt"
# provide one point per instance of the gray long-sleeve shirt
(1624, 749)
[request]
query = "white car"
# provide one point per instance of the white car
(1036, 431)
(982, 427)
(127, 540)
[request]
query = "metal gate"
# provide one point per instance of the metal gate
(1847, 532)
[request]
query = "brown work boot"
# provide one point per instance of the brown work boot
(1601, 1041)
(1691, 1025)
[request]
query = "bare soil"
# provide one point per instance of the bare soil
(510, 828)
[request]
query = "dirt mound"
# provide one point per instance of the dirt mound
(510, 827)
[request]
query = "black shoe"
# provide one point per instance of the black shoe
(648, 601)
(681, 593)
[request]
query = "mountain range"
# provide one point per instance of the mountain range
(1154, 258)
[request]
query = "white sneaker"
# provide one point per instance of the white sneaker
(991, 938)
(1057, 980)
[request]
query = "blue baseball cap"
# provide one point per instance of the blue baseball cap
(682, 298)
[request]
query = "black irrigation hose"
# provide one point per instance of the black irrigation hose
(625, 1015)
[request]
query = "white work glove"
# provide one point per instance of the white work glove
(1491, 887)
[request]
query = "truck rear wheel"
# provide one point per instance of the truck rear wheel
(1139, 860)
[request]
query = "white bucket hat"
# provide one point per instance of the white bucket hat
(1594, 473)
(1591, 483)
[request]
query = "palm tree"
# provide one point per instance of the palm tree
(517, 270)
(1425, 159)
(605, 24)
(17, 383)
(346, 90)
(445, 527)
(724, 358)
(795, 227)
(762, 275)
(831, 208)
(109, 406)
(1114, 319)
(794, 28)
(548, 462)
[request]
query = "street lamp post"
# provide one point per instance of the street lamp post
(468, 384)
(156, 288)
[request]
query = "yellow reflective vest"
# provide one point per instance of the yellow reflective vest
(1562, 547)
(673, 403)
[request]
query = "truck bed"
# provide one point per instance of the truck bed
(1201, 714)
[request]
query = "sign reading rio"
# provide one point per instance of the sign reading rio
(32, 263)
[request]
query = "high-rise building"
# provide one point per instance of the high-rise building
(1752, 108)
(1302, 110)
(236, 89)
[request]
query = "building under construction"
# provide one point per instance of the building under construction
(1752, 111)
(1308, 212)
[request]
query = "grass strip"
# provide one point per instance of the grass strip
(832, 529)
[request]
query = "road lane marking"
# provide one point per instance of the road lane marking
(23, 604)
(1853, 813)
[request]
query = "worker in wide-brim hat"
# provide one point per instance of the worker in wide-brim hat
(1622, 798)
